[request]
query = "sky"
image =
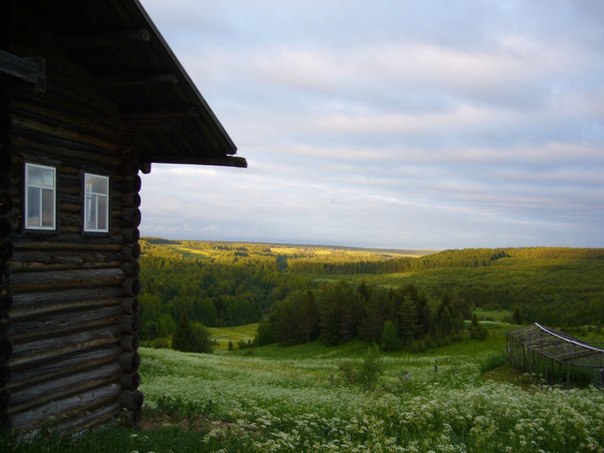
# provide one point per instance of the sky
(428, 124)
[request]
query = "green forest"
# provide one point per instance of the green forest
(395, 298)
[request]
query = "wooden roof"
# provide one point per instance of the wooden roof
(118, 44)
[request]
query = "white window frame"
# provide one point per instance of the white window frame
(28, 186)
(87, 206)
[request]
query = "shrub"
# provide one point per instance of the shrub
(371, 368)
(160, 343)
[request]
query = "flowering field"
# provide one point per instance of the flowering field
(296, 399)
(459, 398)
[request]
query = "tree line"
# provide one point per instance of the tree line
(224, 284)
(341, 311)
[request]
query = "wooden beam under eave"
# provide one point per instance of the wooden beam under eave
(122, 80)
(29, 69)
(226, 161)
(90, 41)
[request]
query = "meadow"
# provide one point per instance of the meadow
(458, 398)
(456, 395)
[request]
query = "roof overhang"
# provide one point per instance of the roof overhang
(132, 65)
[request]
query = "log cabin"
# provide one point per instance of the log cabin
(90, 95)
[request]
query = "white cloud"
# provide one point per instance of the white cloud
(392, 123)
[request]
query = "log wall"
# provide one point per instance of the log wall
(68, 307)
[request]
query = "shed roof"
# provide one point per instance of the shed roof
(119, 45)
(558, 346)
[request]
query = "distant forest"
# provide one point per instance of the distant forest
(301, 293)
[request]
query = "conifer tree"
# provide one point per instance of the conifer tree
(390, 341)
(182, 337)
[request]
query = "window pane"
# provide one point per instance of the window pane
(96, 215)
(102, 214)
(40, 177)
(33, 207)
(90, 212)
(48, 208)
(97, 184)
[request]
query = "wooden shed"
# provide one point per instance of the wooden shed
(90, 94)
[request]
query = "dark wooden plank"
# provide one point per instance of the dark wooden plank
(86, 401)
(30, 70)
(106, 39)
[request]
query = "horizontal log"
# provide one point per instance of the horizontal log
(131, 399)
(66, 365)
(131, 269)
(62, 323)
(132, 181)
(89, 419)
(30, 70)
(130, 234)
(131, 286)
(132, 417)
(132, 199)
(129, 361)
(37, 416)
(38, 394)
(45, 303)
(35, 260)
(131, 252)
(173, 158)
(69, 151)
(40, 124)
(32, 281)
(131, 217)
(130, 323)
(69, 242)
(129, 342)
(130, 381)
(130, 305)
(51, 348)
(74, 118)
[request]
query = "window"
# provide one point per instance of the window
(40, 197)
(96, 203)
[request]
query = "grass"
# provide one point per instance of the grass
(461, 397)
(222, 335)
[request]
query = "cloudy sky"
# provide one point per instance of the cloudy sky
(391, 123)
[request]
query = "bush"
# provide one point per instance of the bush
(364, 374)
(160, 343)
(371, 368)
(493, 361)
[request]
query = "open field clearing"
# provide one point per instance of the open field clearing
(296, 399)
(458, 398)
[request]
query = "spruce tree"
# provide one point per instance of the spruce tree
(182, 339)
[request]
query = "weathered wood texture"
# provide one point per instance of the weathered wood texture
(68, 309)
